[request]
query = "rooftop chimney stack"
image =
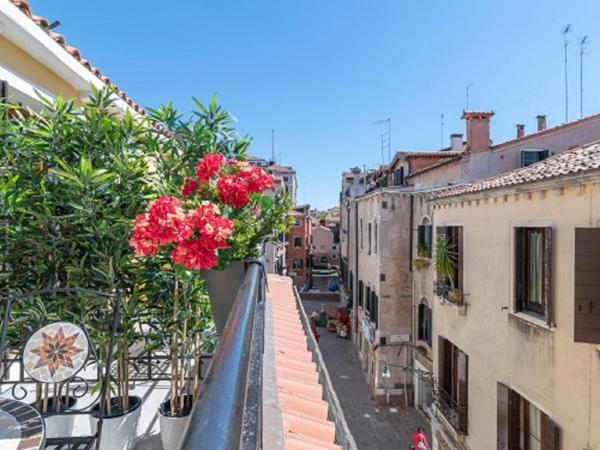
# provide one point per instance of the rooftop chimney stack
(456, 141)
(541, 122)
(478, 130)
(520, 130)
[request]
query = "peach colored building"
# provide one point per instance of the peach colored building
(298, 260)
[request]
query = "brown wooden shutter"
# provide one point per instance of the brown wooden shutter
(463, 390)
(548, 256)
(441, 361)
(514, 420)
(587, 285)
(459, 249)
(502, 417)
(519, 269)
(550, 434)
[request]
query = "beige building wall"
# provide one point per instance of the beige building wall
(542, 364)
(17, 61)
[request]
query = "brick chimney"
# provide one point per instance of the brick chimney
(456, 142)
(478, 130)
(541, 122)
(520, 130)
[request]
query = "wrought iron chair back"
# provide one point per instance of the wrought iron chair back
(55, 364)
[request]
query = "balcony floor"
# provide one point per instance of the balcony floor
(373, 427)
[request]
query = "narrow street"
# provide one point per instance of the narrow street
(373, 427)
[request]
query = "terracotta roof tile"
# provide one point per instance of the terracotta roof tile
(435, 165)
(438, 154)
(42, 22)
(304, 412)
(579, 160)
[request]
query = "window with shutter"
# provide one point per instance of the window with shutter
(453, 373)
(587, 285)
(521, 425)
(424, 241)
(533, 271)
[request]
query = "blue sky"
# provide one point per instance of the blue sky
(320, 72)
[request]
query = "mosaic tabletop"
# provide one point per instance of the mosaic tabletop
(56, 352)
(21, 426)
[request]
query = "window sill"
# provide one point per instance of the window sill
(530, 320)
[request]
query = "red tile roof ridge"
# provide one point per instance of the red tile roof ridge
(303, 409)
(42, 22)
(579, 160)
(432, 154)
(439, 163)
(308, 427)
(295, 443)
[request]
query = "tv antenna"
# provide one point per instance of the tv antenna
(582, 44)
(566, 31)
(386, 139)
(469, 86)
(442, 130)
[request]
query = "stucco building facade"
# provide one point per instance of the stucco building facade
(518, 360)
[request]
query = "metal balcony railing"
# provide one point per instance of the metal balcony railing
(228, 414)
(455, 413)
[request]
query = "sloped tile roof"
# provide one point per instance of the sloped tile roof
(304, 412)
(579, 160)
(42, 22)
(437, 164)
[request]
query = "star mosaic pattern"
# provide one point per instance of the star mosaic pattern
(55, 352)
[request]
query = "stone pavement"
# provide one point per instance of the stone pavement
(373, 427)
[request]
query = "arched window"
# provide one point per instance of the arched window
(424, 331)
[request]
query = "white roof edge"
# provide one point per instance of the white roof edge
(27, 35)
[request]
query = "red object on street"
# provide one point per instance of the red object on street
(419, 438)
(317, 336)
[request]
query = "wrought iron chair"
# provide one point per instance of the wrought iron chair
(47, 358)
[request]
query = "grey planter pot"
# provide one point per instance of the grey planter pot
(222, 287)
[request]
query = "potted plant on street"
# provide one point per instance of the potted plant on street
(445, 263)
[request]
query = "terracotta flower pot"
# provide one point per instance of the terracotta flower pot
(222, 287)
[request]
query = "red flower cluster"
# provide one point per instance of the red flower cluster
(235, 189)
(189, 187)
(197, 235)
(208, 166)
(164, 223)
(214, 230)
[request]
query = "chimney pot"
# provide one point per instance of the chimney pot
(478, 130)
(456, 141)
(520, 130)
(541, 122)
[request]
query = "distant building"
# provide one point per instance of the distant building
(298, 257)
(275, 250)
(286, 173)
(324, 248)
(386, 244)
